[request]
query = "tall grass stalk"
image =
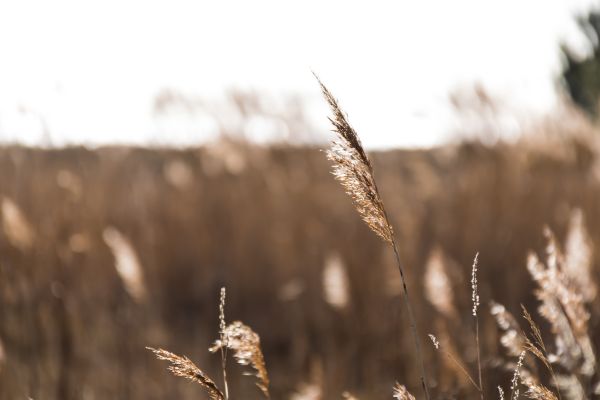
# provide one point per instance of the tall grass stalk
(353, 169)
(475, 300)
(223, 338)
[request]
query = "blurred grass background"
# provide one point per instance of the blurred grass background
(265, 222)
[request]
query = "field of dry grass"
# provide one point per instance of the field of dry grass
(104, 252)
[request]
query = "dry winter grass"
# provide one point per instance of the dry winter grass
(105, 252)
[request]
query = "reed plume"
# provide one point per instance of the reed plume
(537, 391)
(437, 284)
(127, 263)
(349, 396)
(353, 169)
(563, 304)
(336, 282)
(537, 347)
(511, 338)
(185, 368)
(401, 393)
(245, 344)
(578, 257)
(16, 226)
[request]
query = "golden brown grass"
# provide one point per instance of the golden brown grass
(401, 393)
(353, 169)
(69, 327)
(237, 337)
(245, 344)
(556, 293)
(185, 368)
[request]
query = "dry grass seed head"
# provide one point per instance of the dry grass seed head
(553, 307)
(538, 347)
(353, 169)
(535, 330)
(245, 344)
(571, 387)
(336, 283)
(537, 391)
(127, 263)
(17, 228)
(435, 342)
(349, 396)
(563, 305)
(307, 391)
(511, 339)
(514, 383)
(222, 324)
(401, 393)
(578, 257)
(438, 286)
(185, 368)
(474, 289)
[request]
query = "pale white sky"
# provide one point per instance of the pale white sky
(90, 70)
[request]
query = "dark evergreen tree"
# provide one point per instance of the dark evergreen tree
(581, 77)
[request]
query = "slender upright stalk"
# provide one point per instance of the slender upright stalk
(413, 324)
(224, 369)
(353, 169)
(437, 346)
(475, 300)
(478, 356)
(223, 339)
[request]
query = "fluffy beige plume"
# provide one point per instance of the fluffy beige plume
(307, 391)
(571, 388)
(185, 368)
(127, 263)
(178, 174)
(401, 393)
(245, 344)
(564, 307)
(70, 182)
(15, 225)
(578, 257)
(563, 304)
(336, 282)
(537, 391)
(352, 168)
(511, 338)
(438, 287)
(550, 283)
